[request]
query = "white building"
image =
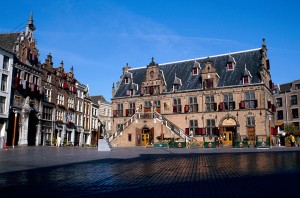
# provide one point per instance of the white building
(6, 68)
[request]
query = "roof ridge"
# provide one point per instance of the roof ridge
(218, 55)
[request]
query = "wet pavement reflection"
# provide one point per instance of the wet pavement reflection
(154, 175)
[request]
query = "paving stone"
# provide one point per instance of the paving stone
(148, 172)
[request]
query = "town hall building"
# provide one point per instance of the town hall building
(227, 97)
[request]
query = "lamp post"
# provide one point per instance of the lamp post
(98, 134)
(15, 127)
(270, 129)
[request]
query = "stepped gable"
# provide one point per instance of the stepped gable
(183, 69)
(7, 41)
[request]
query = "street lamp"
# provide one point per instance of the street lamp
(15, 127)
(270, 129)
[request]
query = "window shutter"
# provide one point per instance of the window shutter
(74, 90)
(203, 131)
(142, 91)
(24, 82)
(242, 105)
(186, 108)
(221, 106)
(41, 89)
(127, 112)
(32, 87)
(216, 131)
(115, 113)
(151, 90)
(187, 131)
(174, 109)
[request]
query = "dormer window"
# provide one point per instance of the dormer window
(246, 80)
(246, 76)
(229, 66)
(195, 71)
(176, 84)
(196, 68)
(126, 79)
(208, 83)
(230, 63)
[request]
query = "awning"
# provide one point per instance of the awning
(278, 123)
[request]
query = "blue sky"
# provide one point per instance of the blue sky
(98, 37)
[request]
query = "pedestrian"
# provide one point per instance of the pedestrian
(292, 140)
(58, 141)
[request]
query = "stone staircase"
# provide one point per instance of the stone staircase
(162, 119)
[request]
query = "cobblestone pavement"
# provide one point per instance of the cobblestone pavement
(149, 172)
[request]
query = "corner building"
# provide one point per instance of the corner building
(225, 96)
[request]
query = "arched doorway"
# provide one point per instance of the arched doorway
(32, 126)
(145, 136)
(228, 129)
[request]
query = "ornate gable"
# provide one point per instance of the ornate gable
(154, 80)
(209, 75)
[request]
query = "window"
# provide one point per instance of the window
(294, 113)
(60, 99)
(71, 103)
(157, 103)
(49, 78)
(279, 115)
(152, 90)
(129, 137)
(47, 95)
(297, 86)
(120, 109)
(4, 83)
(230, 66)
(193, 128)
(245, 79)
(279, 102)
(208, 84)
(250, 121)
(119, 127)
(59, 116)
(2, 105)
(126, 79)
(148, 104)
(131, 110)
(195, 70)
(79, 105)
(210, 126)
(228, 102)
(210, 103)
(176, 105)
(5, 63)
(294, 100)
(47, 113)
(250, 102)
(193, 104)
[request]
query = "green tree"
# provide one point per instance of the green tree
(291, 128)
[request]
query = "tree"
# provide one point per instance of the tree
(291, 128)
